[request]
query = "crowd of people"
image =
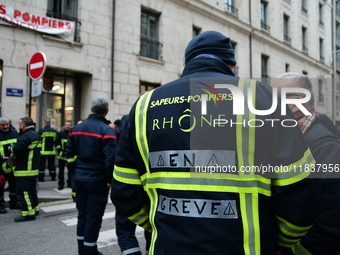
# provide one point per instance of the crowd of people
(147, 161)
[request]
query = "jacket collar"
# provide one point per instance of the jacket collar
(208, 64)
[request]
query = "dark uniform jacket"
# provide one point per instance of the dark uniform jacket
(324, 237)
(94, 144)
(6, 138)
(167, 144)
(27, 150)
(61, 141)
(48, 137)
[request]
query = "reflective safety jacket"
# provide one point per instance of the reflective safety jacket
(61, 142)
(48, 140)
(6, 138)
(191, 176)
(27, 150)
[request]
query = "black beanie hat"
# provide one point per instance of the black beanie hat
(211, 42)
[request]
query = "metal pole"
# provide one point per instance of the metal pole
(334, 61)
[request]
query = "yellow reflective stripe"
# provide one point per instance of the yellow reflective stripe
(245, 146)
(287, 242)
(299, 170)
(127, 175)
(140, 217)
(290, 229)
(153, 196)
(141, 123)
(298, 249)
(213, 182)
(21, 173)
(70, 160)
(49, 134)
(9, 141)
(30, 210)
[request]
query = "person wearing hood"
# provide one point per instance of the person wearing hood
(186, 160)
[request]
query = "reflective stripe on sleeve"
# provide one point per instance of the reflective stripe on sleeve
(127, 175)
(298, 170)
(291, 230)
(298, 249)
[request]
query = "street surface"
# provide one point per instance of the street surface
(54, 230)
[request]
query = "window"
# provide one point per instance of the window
(337, 8)
(322, 58)
(230, 6)
(337, 32)
(286, 28)
(304, 6)
(337, 56)
(321, 15)
(149, 45)
(321, 96)
(338, 81)
(195, 31)
(304, 39)
(264, 22)
(146, 86)
(264, 68)
(337, 99)
(287, 68)
(66, 10)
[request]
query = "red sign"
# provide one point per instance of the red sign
(37, 65)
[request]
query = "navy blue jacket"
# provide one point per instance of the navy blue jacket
(94, 144)
(49, 137)
(166, 138)
(27, 150)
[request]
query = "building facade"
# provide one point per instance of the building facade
(121, 48)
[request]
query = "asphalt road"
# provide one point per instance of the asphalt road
(54, 230)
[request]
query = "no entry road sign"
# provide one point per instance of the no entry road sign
(37, 65)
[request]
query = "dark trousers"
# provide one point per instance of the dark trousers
(125, 231)
(61, 175)
(27, 195)
(50, 165)
(91, 202)
(12, 188)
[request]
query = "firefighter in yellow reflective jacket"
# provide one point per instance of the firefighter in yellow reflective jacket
(27, 150)
(48, 151)
(206, 175)
(7, 137)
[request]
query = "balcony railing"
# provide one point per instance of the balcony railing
(231, 8)
(287, 38)
(303, 9)
(58, 15)
(150, 48)
(265, 26)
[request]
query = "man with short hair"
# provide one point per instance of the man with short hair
(94, 144)
(27, 151)
(61, 141)
(48, 151)
(324, 236)
(7, 137)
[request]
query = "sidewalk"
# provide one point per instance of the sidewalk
(48, 192)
